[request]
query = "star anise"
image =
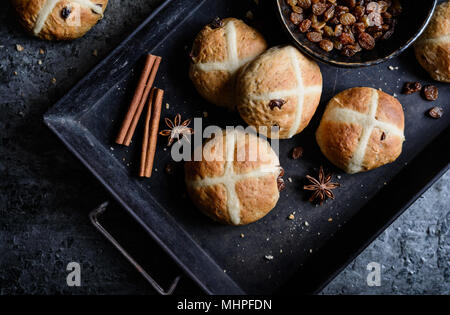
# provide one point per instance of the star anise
(177, 129)
(322, 187)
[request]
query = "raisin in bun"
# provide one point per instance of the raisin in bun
(236, 182)
(219, 51)
(282, 87)
(433, 47)
(361, 129)
(59, 19)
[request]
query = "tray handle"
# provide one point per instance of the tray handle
(93, 216)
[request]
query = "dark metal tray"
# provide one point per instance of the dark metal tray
(306, 256)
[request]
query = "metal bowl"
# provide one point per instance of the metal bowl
(412, 22)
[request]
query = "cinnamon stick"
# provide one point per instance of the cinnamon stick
(139, 99)
(146, 133)
(150, 60)
(148, 87)
(153, 132)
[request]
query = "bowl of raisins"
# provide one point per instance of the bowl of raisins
(354, 33)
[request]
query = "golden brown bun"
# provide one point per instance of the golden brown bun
(59, 19)
(217, 55)
(361, 129)
(238, 192)
(433, 47)
(283, 74)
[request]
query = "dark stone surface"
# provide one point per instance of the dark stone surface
(414, 252)
(46, 193)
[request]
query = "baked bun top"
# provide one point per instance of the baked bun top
(282, 87)
(361, 129)
(218, 52)
(433, 47)
(236, 180)
(59, 19)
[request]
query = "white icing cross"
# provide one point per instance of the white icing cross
(300, 91)
(232, 64)
(48, 7)
(230, 178)
(368, 122)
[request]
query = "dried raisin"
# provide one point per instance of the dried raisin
(375, 19)
(430, 92)
(347, 38)
(297, 153)
(436, 112)
(411, 87)
(318, 26)
(297, 9)
(359, 12)
(296, 18)
(216, 23)
(280, 183)
(337, 44)
(348, 51)
(276, 103)
(326, 45)
(347, 19)
(338, 30)
(334, 24)
(319, 8)
(65, 12)
(305, 4)
(329, 13)
(314, 37)
(305, 25)
(366, 41)
(358, 28)
(328, 31)
(350, 3)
